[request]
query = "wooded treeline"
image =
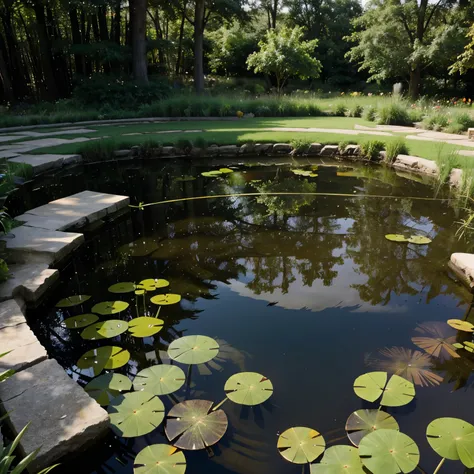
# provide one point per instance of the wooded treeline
(49, 46)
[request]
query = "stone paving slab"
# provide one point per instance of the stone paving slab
(62, 417)
(65, 131)
(8, 138)
(42, 163)
(24, 349)
(465, 152)
(463, 265)
(11, 314)
(40, 245)
(29, 281)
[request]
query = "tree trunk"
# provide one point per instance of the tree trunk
(76, 39)
(101, 16)
(138, 20)
(7, 87)
(274, 13)
(180, 40)
(199, 46)
(415, 81)
(117, 21)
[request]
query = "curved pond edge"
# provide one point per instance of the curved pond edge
(64, 419)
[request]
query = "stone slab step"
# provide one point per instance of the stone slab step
(10, 314)
(42, 163)
(35, 245)
(74, 211)
(62, 417)
(416, 164)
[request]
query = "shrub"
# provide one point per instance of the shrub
(300, 145)
(369, 114)
(394, 114)
(4, 271)
(356, 111)
(436, 121)
(456, 128)
(395, 148)
(371, 149)
(416, 115)
(184, 145)
(340, 110)
(262, 111)
(462, 121)
(342, 146)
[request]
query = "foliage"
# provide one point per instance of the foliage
(300, 146)
(356, 111)
(285, 54)
(369, 114)
(395, 148)
(394, 114)
(371, 149)
(340, 110)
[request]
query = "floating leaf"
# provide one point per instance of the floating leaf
(193, 349)
(339, 460)
(226, 170)
(107, 357)
(419, 240)
(152, 284)
(440, 341)
(107, 308)
(124, 287)
(362, 422)
(248, 388)
(301, 445)
(396, 238)
(389, 452)
(72, 301)
(373, 385)
(412, 365)
(102, 389)
(80, 321)
(160, 379)
(211, 174)
(191, 425)
(159, 459)
(166, 299)
(466, 345)
(139, 292)
(453, 439)
(135, 414)
(461, 325)
(184, 178)
(145, 326)
(104, 330)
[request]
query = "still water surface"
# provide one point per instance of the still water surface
(303, 289)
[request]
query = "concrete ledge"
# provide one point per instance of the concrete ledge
(62, 417)
(10, 314)
(42, 163)
(463, 265)
(414, 163)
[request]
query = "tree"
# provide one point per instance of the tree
(465, 60)
(138, 24)
(284, 54)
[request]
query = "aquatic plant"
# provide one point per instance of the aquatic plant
(106, 308)
(106, 357)
(301, 445)
(193, 349)
(80, 321)
(436, 340)
(145, 326)
(104, 330)
(362, 422)
(159, 379)
(160, 459)
(71, 301)
(461, 325)
(107, 386)
(413, 239)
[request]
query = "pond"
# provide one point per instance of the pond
(301, 287)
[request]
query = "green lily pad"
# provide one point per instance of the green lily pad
(373, 385)
(104, 330)
(226, 170)
(107, 308)
(107, 357)
(466, 345)
(461, 325)
(135, 414)
(166, 299)
(419, 240)
(193, 349)
(145, 326)
(124, 287)
(102, 389)
(211, 174)
(192, 425)
(248, 388)
(301, 445)
(396, 238)
(362, 422)
(160, 459)
(184, 178)
(453, 439)
(71, 301)
(389, 452)
(152, 284)
(160, 379)
(339, 460)
(80, 321)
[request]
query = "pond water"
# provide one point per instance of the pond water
(302, 288)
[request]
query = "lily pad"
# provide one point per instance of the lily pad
(159, 459)
(184, 178)
(191, 424)
(160, 379)
(226, 170)
(373, 385)
(211, 174)
(166, 299)
(102, 389)
(135, 414)
(80, 321)
(453, 439)
(339, 460)
(396, 238)
(107, 308)
(104, 330)
(107, 357)
(419, 240)
(145, 326)
(301, 445)
(193, 349)
(389, 452)
(124, 287)
(139, 292)
(152, 284)
(248, 388)
(461, 325)
(362, 422)
(466, 345)
(71, 301)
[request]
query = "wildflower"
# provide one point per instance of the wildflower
(342, 93)
(464, 99)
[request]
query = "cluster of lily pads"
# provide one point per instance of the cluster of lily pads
(412, 239)
(378, 445)
(306, 173)
(215, 173)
